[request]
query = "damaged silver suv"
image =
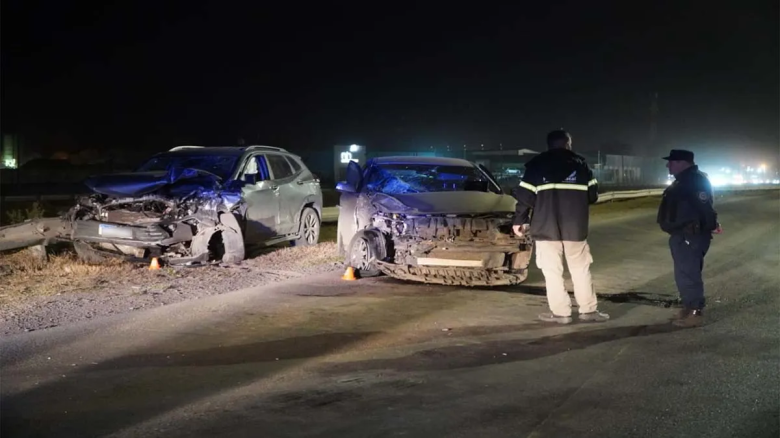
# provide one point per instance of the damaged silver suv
(434, 220)
(190, 204)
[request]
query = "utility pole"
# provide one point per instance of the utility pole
(652, 148)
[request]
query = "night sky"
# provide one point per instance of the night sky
(150, 75)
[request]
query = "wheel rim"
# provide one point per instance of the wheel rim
(310, 229)
(362, 254)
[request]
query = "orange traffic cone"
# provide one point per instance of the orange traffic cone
(155, 265)
(349, 275)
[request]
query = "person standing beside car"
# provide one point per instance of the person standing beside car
(687, 214)
(554, 196)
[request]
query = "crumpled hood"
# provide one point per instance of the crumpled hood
(177, 182)
(446, 203)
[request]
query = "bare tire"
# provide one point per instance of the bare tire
(366, 247)
(310, 228)
(232, 239)
(224, 243)
(226, 246)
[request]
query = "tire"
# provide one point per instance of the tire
(232, 239)
(227, 245)
(366, 245)
(310, 228)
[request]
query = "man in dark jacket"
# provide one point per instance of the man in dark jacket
(687, 214)
(555, 196)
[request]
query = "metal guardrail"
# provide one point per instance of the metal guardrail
(331, 214)
(630, 194)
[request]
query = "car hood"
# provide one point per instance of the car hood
(461, 203)
(176, 182)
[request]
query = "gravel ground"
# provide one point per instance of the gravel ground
(116, 291)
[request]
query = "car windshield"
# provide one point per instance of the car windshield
(420, 178)
(220, 165)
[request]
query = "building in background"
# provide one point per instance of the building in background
(343, 155)
(9, 152)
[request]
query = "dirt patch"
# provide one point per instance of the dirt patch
(36, 294)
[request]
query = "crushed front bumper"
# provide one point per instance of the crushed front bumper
(146, 236)
(454, 276)
(462, 265)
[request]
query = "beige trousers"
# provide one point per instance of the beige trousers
(549, 258)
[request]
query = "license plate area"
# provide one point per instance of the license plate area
(115, 231)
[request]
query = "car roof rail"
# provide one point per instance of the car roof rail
(179, 148)
(263, 147)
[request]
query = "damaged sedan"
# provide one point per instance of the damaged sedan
(433, 220)
(189, 204)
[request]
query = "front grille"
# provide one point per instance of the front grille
(90, 230)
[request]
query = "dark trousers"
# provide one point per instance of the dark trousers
(688, 253)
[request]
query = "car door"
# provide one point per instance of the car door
(304, 189)
(290, 195)
(348, 206)
(262, 201)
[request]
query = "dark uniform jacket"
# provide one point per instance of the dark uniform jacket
(686, 207)
(555, 194)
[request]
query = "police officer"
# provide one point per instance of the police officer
(555, 196)
(687, 214)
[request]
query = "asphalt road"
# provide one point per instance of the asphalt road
(377, 358)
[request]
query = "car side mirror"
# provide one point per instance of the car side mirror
(344, 186)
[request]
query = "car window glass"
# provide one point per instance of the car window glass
(296, 167)
(279, 166)
(256, 169)
(220, 165)
(420, 178)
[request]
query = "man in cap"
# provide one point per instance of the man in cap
(687, 214)
(555, 196)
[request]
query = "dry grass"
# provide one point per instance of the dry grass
(292, 258)
(24, 275)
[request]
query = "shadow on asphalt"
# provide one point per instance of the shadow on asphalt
(641, 298)
(500, 352)
(116, 394)
(99, 394)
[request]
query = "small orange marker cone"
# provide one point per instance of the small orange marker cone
(349, 275)
(155, 265)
